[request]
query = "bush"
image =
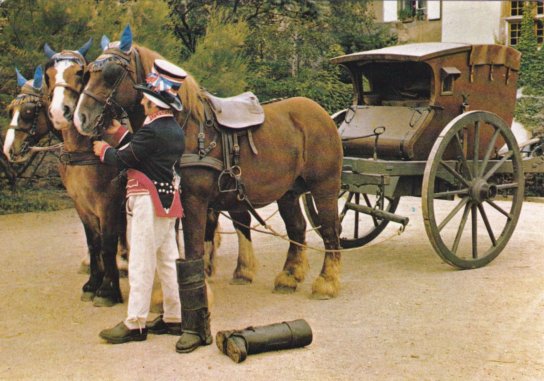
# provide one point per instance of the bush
(33, 200)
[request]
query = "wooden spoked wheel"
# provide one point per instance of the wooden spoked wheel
(465, 165)
(358, 228)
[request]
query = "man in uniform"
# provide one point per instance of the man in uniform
(153, 203)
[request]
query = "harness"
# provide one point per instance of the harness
(230, 172)
(111, 109)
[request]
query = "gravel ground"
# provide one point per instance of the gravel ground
(402, 314)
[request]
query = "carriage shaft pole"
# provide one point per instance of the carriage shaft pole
(378, 213)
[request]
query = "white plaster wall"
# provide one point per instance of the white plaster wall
(433, 9)
(475, 22)
(390, 10)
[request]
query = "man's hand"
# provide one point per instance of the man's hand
(98, 145)
(114, 127)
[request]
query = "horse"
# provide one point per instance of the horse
(29, 122)
(299, 150)
(94, 187)
(246, 263)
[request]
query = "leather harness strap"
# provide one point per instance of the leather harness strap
(78, 158)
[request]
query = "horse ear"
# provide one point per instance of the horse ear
(85, 48)
(126, 39)
(20, 79)
(38, 78)
(104, 42)
(48, 51)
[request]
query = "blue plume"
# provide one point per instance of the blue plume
(48, 51)
(104, 42)
(38, 78)
(126, 39)
(20, 79)
(85, 48)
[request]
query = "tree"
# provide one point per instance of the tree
(353, 25)
(218, 62)
(189, 17)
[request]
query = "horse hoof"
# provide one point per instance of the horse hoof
(87, 296)
(320, 296)
(240, 281)
(100, 301)
(284, 290)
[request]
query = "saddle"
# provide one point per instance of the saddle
(240, 111)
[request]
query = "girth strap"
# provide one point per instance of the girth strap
(194, 160)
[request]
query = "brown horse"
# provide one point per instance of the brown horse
(299, 150)
(29, 122)
(94, 187)
(139, 65)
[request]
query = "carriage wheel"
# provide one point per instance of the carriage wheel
(479, 221)
(358, 229)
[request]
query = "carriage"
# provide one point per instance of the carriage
(433, 120)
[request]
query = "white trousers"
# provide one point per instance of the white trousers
(152, 247)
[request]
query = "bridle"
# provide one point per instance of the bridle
(32, 137)
(111, 108)
(67, 56)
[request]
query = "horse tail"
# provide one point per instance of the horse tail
(190, 95)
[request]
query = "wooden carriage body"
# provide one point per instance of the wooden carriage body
(415, 90)
(432, 120)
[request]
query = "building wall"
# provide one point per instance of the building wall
(476, 22)
(389, 11)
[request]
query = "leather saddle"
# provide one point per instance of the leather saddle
(240, 111)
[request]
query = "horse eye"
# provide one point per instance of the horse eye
(111, 72)
(27, 111)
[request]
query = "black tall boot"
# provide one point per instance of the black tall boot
(240, 343)
(195, 318)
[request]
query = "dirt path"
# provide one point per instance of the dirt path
(402, 314)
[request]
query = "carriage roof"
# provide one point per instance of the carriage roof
(488, 54)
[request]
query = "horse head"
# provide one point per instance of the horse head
(64, 76)
(109, 87)
(29, 121)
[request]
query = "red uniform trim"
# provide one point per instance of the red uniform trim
(139, 183)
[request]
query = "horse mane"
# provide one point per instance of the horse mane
(190, 93)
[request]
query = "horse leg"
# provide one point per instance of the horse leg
(246, 263)
(296, 264)
(109, 292)
(327, 284)
(95, 273)
(212, 239)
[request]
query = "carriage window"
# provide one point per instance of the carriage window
(396, 83)
(448, 75)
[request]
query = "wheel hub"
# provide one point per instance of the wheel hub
(481, 191)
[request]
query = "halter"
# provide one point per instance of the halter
(110, 107)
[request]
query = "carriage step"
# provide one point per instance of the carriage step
(378, 213)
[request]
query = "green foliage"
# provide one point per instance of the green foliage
(67, 24)
(33, 200)
(353, 25)
(529, 109)
(218, 62)
(530, 113)
(528, 47)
